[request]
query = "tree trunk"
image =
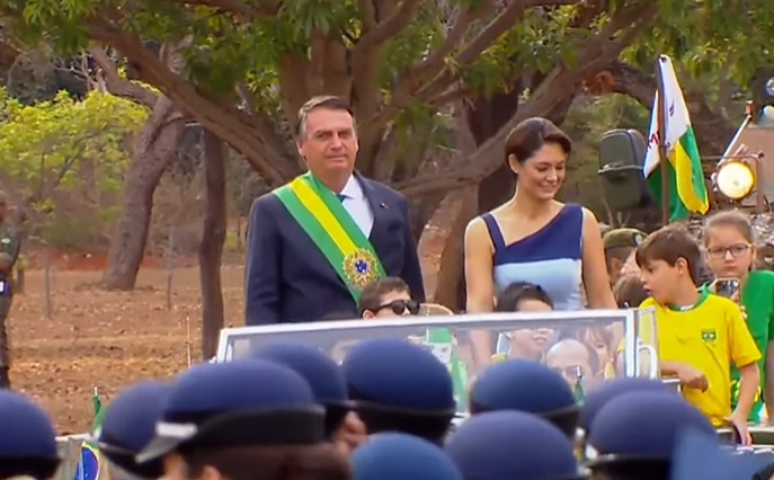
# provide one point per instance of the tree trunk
(421, 211)
(213, 238)
(452, 265)
(154, 148)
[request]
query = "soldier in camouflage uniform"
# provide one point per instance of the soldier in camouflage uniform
(9, 253)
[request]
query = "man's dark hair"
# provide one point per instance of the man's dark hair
(327, 102)
(515, 293)
(371, 297)
(669, 245)
(312, 462)
(629, 291)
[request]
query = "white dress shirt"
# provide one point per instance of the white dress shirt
(357, 205)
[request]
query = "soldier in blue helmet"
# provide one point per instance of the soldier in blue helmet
(510, 445)
(634, 436)
(606, 392)
(397, 456)
(244, 420)
(130, 425)
(320, 371)
(401, 387)
(526, 386)
(27, 439)
(328, 386)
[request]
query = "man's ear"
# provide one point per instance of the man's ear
(368, 314)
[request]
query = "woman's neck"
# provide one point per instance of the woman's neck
(529, 206)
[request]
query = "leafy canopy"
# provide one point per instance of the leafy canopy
(45, 146)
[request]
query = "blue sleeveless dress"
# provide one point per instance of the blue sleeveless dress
(550, 257)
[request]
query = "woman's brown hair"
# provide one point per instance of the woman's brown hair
(730, 218)
(314, 462)
(737, 220)
(530, 135)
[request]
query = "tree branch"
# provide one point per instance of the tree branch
(410, 90)
(633, 83)
(264, 9)
(552, 91)
(387, 29)
(222, 118)
(367, 14)
(121, 86)
(434, 62)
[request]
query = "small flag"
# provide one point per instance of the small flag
(443, 346)
(89, 465)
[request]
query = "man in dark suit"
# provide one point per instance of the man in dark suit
(313, 244)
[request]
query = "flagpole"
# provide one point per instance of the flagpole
(662, 146)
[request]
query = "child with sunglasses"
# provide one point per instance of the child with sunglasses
(387, 297)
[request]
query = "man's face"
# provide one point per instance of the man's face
(570, 358)
(330, 144)
(394, 304)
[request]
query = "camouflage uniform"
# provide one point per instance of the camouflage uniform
(9, 251)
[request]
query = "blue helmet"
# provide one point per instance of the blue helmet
(320, 371)
(658, 418)
(512, 445)
(240, 403)
(28, 440)
(398, 386)
(526, 386)
(130, 424)
(392, 456)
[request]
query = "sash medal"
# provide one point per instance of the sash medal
(322, 216)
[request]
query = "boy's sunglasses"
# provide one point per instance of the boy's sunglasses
(400, 306)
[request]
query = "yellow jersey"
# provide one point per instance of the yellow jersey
(709, 337)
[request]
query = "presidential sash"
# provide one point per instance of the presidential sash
(322, 216)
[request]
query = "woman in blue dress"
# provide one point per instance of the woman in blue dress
(534, 238)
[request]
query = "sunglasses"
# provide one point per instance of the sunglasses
(398, 307)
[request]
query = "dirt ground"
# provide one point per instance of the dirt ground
(108, 340)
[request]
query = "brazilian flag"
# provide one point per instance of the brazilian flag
(89, 465)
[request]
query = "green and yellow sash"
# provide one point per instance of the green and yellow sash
(322, 216)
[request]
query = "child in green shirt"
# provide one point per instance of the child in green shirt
(730, 249)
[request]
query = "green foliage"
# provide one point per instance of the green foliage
(63, 143)
(726, 38)
(226, 47)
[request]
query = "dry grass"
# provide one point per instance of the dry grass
(104, 339)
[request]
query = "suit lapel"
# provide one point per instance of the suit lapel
(378, 209)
